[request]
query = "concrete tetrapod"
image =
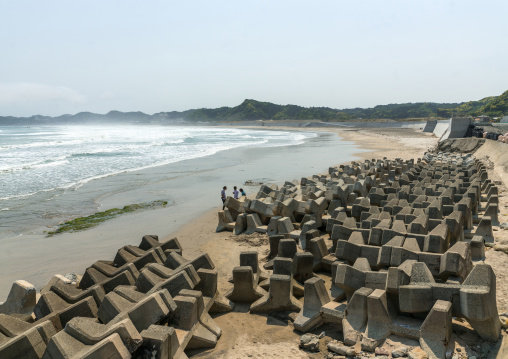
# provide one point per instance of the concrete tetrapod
(203, 317)
(21, 299)
(245, 289)
(436, 330)
(303, 266)
(24, 340)
(250, 259)
(355, 318)
(284, 266)
(142, 311)
(254, 224)
(226, 222)
(208, 286)
(160, 342)
(186, 319)
(64, 346)
(315, 296)
(89, 332)
(279, 298)
(59, 312)
(381, 314)
(474, 299)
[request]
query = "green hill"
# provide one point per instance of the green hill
(250, 110)
(256, 110)
(495, 106)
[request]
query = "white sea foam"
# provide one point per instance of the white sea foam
(70, 156)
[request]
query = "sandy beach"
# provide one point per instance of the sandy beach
(194, 225)
(262, 336)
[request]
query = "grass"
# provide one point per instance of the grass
(83, 223)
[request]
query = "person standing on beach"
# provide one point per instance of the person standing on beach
(235, 193)
(223, 197)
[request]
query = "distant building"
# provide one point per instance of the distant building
(482, 118)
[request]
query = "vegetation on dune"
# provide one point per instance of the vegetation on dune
(82, 223)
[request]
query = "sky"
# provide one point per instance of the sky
(63, 57)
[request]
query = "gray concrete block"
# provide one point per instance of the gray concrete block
(317, 247)
(303, 264)
(477, 246)
(381, 313)
(20, 300)
(25, 340)
(456, 261)
(284, 225)
(245, 289)
(436, 330)
(280, 297)
(159, 342)
(484, 229)
(62, 345)
(89, 332)
(315, 296)
(356, 315)
(287, 248)
(226, 221)
(241, 223)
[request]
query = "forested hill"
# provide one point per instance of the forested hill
(256, 110)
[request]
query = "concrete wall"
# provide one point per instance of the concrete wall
(430, 125)
(441, 127)
(457, 128)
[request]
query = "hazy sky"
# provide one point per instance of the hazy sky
(61, 57)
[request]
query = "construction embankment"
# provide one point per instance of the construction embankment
(495, 151)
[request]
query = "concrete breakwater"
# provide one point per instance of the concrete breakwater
(398, 238)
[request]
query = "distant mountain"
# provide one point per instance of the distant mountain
(256, 110)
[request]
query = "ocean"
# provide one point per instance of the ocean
(49, 158)
(42, 168)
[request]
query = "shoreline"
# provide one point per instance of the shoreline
(266, 334)
(368, 149)
(224, 249)
(36, 258)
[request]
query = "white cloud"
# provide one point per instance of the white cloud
(25, 92)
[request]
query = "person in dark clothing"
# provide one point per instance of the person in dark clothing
(223, 197)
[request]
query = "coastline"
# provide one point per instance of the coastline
(268, 336)
(244, 334)
(193, 187)
(224, 249)
(194, 236)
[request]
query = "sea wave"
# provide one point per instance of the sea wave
(31, 134)
(38, 163)
(41, 144)
(112, 151)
